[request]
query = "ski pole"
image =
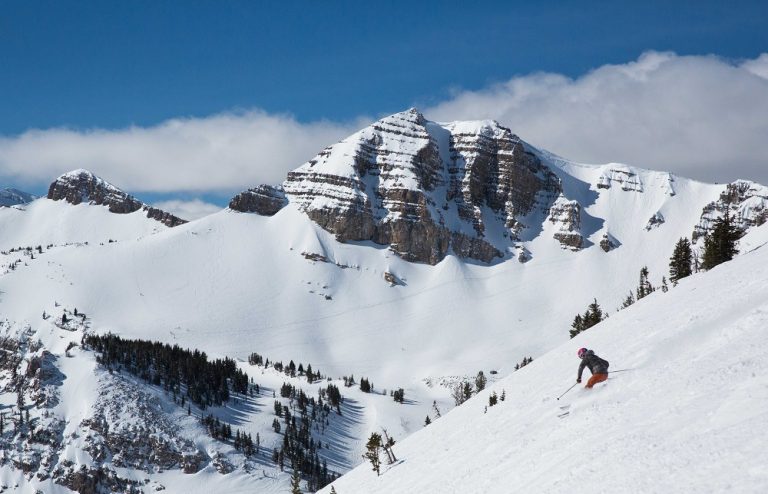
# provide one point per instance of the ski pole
(574, 384)
(622, 370)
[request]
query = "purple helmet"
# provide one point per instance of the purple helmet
(581, 352)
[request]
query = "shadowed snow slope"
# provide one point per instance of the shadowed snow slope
(690, 417)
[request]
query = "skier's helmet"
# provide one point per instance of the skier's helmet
(581, 352)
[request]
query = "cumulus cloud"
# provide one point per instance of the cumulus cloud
(224, 152)
(699, 116)
(188, 210)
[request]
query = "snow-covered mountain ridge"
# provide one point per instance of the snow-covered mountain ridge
(476, 190)
(302, 280)
(12, 197)
(81, 185)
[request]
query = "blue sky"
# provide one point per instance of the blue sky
(110, 65)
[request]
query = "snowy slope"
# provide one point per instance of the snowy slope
(689, 417)
(232, 284)
(44, 222)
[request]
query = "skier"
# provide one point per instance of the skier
(597, 366)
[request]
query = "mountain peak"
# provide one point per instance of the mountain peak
(77, 173)
(425, 189)
(411, 115)
(11, 197)
(78, 186)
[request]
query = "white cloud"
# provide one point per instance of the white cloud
(758, 66)
(188, 210)
(225, 152)
(698, 116)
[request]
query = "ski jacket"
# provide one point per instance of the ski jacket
(596, 364)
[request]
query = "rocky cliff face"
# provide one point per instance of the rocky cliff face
(566, 215)
(747, 203)
(425, 189)
(83, 186)
(475, 190)
(265, 200)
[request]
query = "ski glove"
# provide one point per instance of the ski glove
(578, 380)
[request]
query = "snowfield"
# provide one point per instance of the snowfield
(690, 415)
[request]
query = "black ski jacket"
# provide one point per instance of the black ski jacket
(596, 364)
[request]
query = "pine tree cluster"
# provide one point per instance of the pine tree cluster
(209, 383)
(399, 395)
(334, 397)
(365, 385)
(291, 369)
(720, 243)
(222, 431)
(461, 392)
(183, 372)
(299, 448)
(523, 363)
(592, 316)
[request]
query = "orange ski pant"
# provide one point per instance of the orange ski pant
(596, 378)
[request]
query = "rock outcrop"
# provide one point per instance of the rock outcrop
(566, 215)
(265, 200)
(80, 186)
(747, 203)
(621, 176)
(655, 221)
(425, 189)
(609, 242)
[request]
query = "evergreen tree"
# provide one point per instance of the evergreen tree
(720, 244)
(372, 451)
(467, 391)
(664, 286)
(644, 288)
(295, 481)
(310, 375)
(577, 326)
(681, 260)
(427, 421)
(480, 381)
